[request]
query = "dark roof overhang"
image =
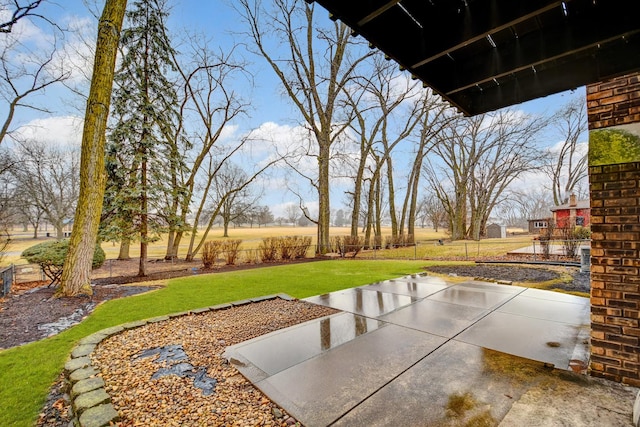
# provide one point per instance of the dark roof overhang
(482, 55)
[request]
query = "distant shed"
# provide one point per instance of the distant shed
(496, 231)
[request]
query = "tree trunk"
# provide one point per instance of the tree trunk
(392, 198)
(169, 255)
(377, 225)
(173, 254)
(144, 220)
(123, 254)
(324, 209)
(459, 220)
(59, 231)
(76, 274)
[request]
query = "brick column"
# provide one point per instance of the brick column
(615, 240)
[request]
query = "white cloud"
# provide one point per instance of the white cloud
(63, 130)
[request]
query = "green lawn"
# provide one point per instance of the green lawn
(27, 372)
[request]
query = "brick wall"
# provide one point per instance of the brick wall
(615, 254)
(614, 102)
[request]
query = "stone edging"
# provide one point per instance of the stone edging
(90, 402)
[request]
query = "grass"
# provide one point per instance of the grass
(27, 372)
(459, 249)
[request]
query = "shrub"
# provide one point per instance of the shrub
(301, 246)
(231, 249)
(344, 245)
(50, 257)
(352, 244)
(582, 233)
(210, 253)
(284, 248)
(269, 248)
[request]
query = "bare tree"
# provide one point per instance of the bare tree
(212, 206)
(380, 124)
(313, 69)
(19, 10)
(26, 69)
(7, 198)
(523, 205)
(434, 212)
(47, 177)
(233, 204)
(292, 213)
(474, 161)
(208, 106)
(435, 114)
(567, 168)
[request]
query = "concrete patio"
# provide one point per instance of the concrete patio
(421, 351)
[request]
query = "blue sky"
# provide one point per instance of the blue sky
(217, 21)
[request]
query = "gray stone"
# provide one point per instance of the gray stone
(83, 350)
(87, 385)
(241, 302)
(91, 399)
(263, 298)
(286, 297)
(220, 307)
(82, 374)
(179, 314)
(133, 325)
(77, 363)
(200, 310)
(63, 323)
(111, 331)
(157, 319)
(92, 339)
(99, 416)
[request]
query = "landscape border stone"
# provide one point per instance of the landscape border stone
(89, 398)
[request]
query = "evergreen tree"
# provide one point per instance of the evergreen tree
(141, 151)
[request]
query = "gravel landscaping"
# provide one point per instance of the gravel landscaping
(128, 369)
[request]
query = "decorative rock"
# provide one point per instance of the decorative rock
(99, 416)
(83, 350)
(87, 385)
(82, 374)
(78, 363)
(90, 400)
(277, 413)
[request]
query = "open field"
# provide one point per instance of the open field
(251, 238)
(426, 247)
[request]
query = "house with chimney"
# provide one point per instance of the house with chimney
(574, 213)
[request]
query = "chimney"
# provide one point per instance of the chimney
(572, 200)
